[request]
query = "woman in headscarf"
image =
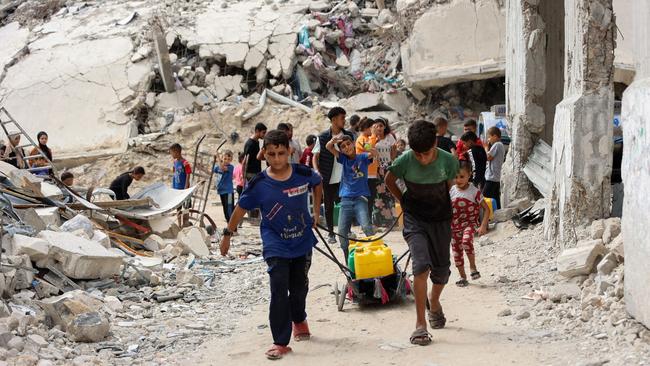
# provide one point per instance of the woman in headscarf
(41, 162)
(12, 153)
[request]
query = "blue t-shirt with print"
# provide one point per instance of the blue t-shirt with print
(354, 180)
(181, 170)
(286, 221)
(224, 179)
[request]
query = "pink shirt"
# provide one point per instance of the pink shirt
(238, 176)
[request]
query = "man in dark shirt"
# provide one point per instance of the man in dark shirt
(120, 185)
(251, 150)
(444, 142)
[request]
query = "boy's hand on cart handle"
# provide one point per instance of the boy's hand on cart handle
(225, 245)
(315, 223)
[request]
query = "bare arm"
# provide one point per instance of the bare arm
(486, 217)
(314, 162)
(393, 152)
(260, 155)
(318, 197)
(391, 184)
(236, 217)
(330, 147)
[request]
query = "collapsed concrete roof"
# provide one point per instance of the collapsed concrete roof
(464, 40)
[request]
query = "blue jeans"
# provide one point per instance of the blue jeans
(350, 208)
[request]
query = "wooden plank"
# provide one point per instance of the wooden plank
(116, 204)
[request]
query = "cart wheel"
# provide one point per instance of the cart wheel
(341, 299)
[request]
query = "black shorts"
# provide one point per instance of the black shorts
(429, 243)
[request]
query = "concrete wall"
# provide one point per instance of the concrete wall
(466, 40)
(582, 144)
(636, 174)
(554, 59)
(459, 41)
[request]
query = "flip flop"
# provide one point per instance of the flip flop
(476, 275)
(420, 337)
(301, 331)
(437, 320)
(462, 283)
(276, 352)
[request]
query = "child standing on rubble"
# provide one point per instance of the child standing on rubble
(496, 153)
(467, 202)
(281, 193)
(225, 189)
(428, 173)
(354, 191)
(181, 169)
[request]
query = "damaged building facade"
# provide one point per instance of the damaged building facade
(562, 77)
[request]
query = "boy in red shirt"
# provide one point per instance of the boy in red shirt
(470, 125)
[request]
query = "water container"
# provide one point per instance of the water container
(372, 261)
(492, 203)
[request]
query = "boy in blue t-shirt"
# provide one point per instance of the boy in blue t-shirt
(225, 189)
(181, 169)
(281, 192)
(354, 191)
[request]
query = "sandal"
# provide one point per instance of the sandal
(476, 275)
(462, 283)
(420, 337)
(301, 331)
(276, 352)
(437, 320)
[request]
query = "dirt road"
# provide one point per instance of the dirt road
(379, 335)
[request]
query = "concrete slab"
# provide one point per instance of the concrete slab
(194, 240)
(81, 258)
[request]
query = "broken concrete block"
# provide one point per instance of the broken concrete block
(45, 289)
(520, 204)
(88, 327)
(564, 290)
(49, 215)
(362, 101)
(5, 335)
(607, 264)
(154, 242)
(101, 238)
(612, 229)
(254, 59)
(194, 240)
(504, 214)
(165, 226)
(80, 258)
(79, 222)
(189, 128)
(36, 248)
(342, 60)
(180, 99)
(37, 340)
(31, 218)
(113, 303)
(597, 229)
(582, 259)
(397, 101)
(77, 313)
(164, 60)
(17, 278)
(617, 247)
(16, 343)
(187, 277)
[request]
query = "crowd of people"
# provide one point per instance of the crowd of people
(364, 171)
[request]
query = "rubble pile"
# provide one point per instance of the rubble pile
(89, 286)
(585, 299)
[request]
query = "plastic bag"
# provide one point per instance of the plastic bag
(79, 222)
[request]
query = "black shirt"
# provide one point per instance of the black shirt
(445, 143)
(120, 185)
(478, 158)
(251, 149)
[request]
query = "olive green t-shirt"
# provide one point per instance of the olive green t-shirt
(427, 192)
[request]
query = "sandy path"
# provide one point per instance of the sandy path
(379, 334)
